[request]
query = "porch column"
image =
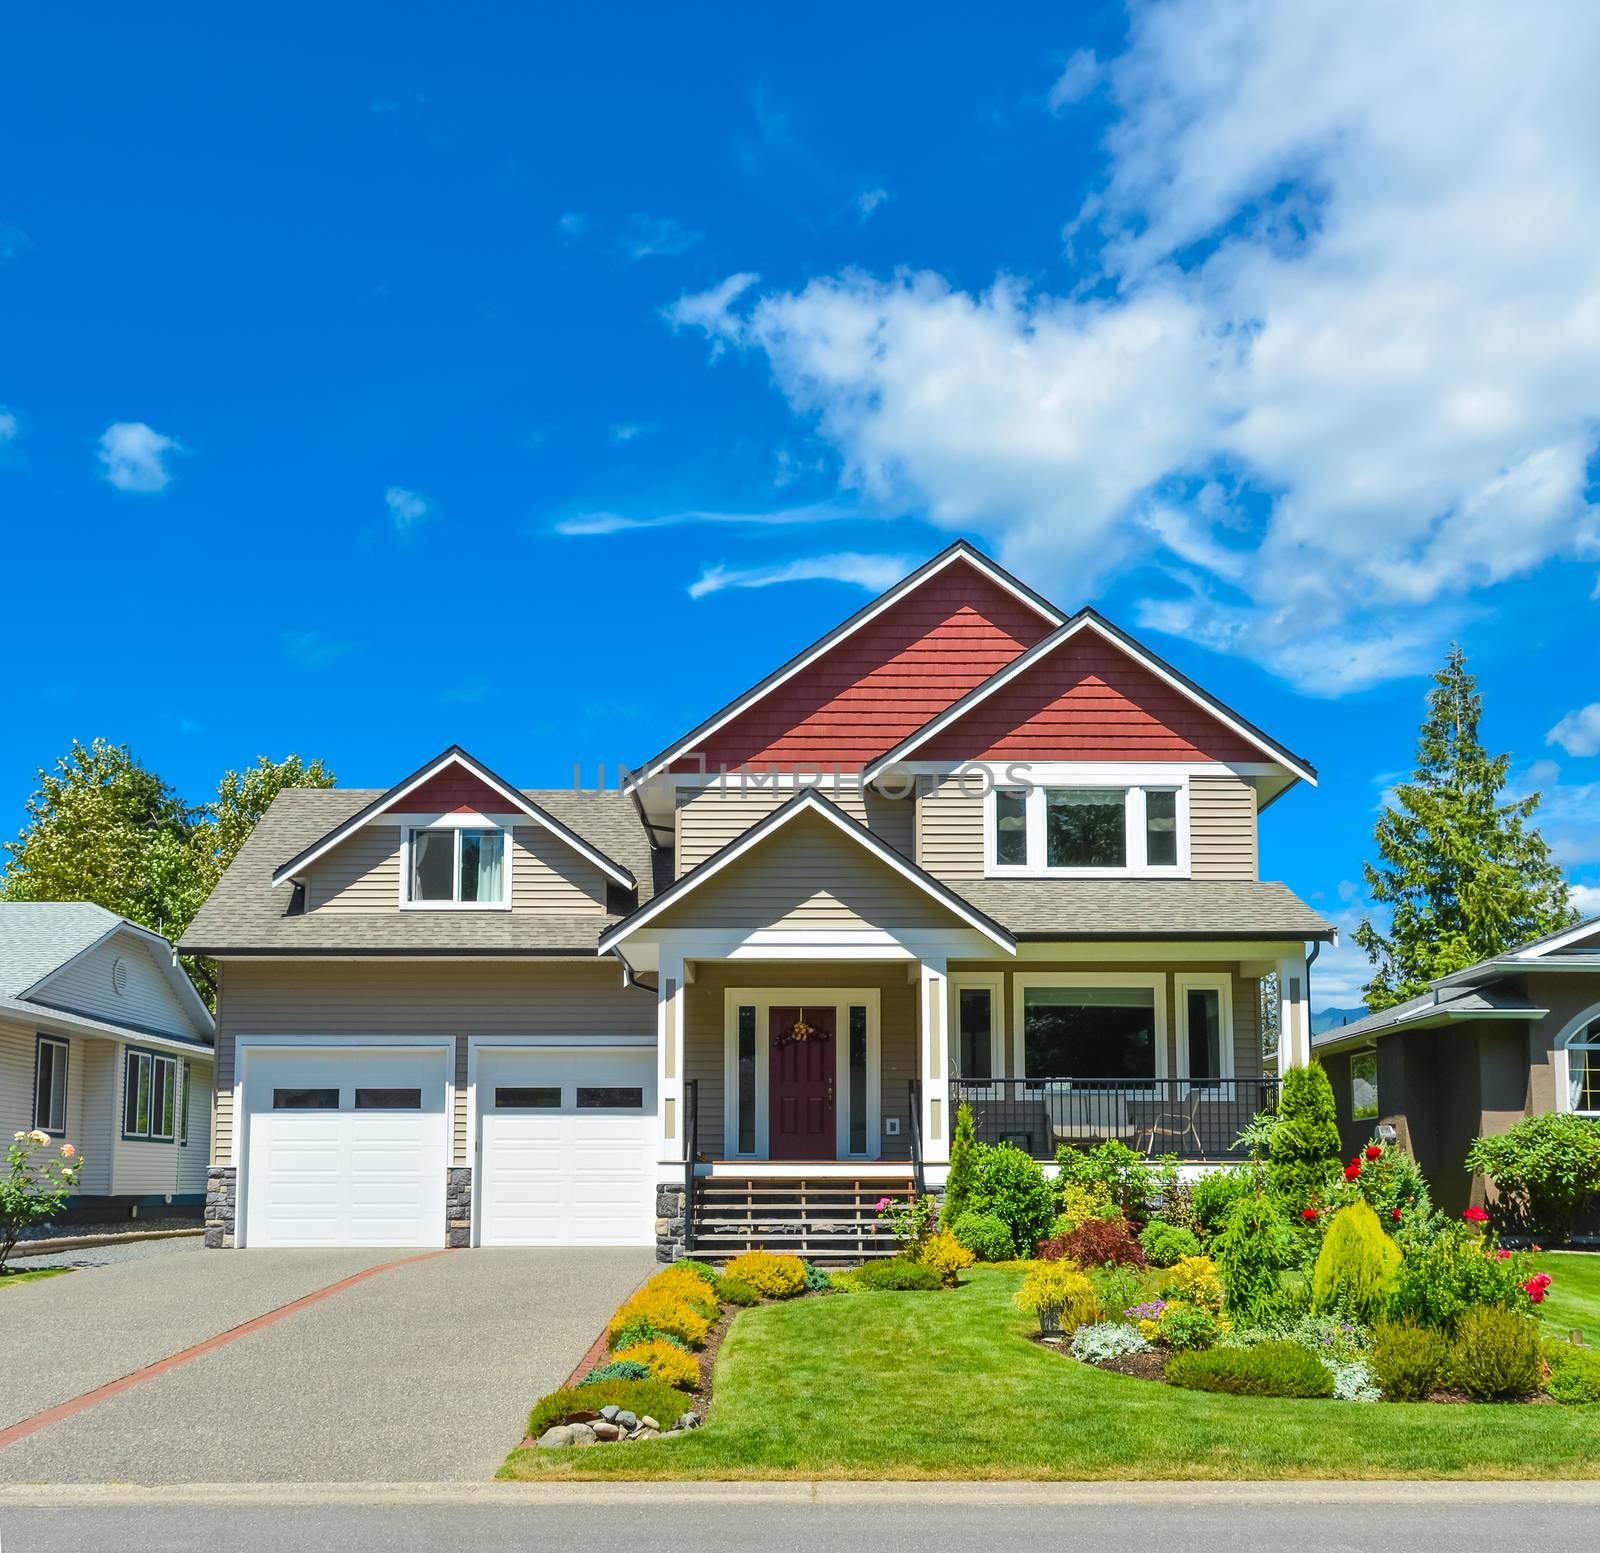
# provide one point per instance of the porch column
(934, 1066)
(669, 1059)
(1294, 1018)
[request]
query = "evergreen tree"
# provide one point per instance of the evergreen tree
(1305, 1146)
(1465, 874)
(963, 1169)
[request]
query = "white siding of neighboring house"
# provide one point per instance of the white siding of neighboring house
(90, 1123)
(148, 1001)
(139, 1167)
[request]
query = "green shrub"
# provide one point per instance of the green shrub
(1164, 1243)
(1117, 1286)
(1012, 1188)
(617, 1369)
(1081, 1203)
(1357, 1266)
(735, 1291)
(636, 1396)
(1496, 1354)
(1059, 1295)
(1214, 1193)
(1305, 1144)
(985, 1236)
(816, 1278)
(1574, 1373)
(895, 1273)
(1268, 1370)
(1456, 1271)
(1408, 1360)
(1127, 1177)
(1251, 1251)
(1185, 1326)
(963, 1169)
(1545, 1168)
(640, 1330)
(1387, 1178)
(702, 1270)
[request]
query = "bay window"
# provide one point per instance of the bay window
(150, 1093)
(457, 867)
(1077, 830)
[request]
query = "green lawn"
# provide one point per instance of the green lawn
(1574, 1298)
(948, 1386)
(34, 1276)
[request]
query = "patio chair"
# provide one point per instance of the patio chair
(1182, 1124)
(1089, 1116)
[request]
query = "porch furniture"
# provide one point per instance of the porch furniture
(1181, 1125)
(1089, 1116)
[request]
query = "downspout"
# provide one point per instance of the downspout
(1311, 959)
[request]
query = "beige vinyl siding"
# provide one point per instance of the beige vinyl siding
(575, 998)
(360, 874)
(705, 1036)
(707, 819)
(949, 829)
(148, 1000)
(140, 1167)
(1222, 828)
(547, 875)
(807, 874)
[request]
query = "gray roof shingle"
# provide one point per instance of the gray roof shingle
(37, 937)
(1146, 908)
(1436, 1006)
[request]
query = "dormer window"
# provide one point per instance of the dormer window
(1070, 829)
(456, 866)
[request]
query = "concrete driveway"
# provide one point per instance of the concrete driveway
(422, 1371)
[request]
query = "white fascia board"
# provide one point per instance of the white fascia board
(1041, 650)
(957, 552)
(806, 802)
(1558, 941)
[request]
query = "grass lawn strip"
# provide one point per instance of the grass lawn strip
(1574, 1297)
(948, 1385)
(33, 1275)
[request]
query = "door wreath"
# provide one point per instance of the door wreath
(799, 1031)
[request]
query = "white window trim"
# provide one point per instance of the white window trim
(1155, 982)
(61, 1066)
(995, 985)
(1135, 786)
(1571, 1038)
(457, 823)
(763, 1000)
(1184, 982)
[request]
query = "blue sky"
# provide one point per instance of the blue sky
(406, 375)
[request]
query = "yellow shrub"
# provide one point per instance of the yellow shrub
(666, 1312)
(689, 1287)
(945, 1255)
(1194, 1280)
(776, 1277)
(672, 1366)
(1081, 1203)
(1057, 1291)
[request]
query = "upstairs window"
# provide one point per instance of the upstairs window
(1074, 831)
(454, 867)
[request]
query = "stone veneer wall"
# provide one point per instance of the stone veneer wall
(222, 1196)
(671, 1235)
(458, 1206)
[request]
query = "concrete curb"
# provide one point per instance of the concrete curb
(25, 1248)
(1456, 1493)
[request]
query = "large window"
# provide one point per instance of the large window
(1204, 1005)
(975, 1033)
(452, 867)
(150, 1085)
(1092, 1031)
(50, 1086)
(1087, 830)
(1364, 1086)
(1583, 1070)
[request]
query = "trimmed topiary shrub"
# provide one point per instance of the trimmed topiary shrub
(894, 1273)
(816, 1279)
(1267, 1370)
(1095, 1243)
(635, 1396)
(664, 1311)
(735, 1291)
(663, 1362)
(1251, 1251)
(1574, 1373)
(946, 1256)
(1305, 1145)
(1011, 1186)
(1496, 1354)
(1408, 1360)
(775, 1277)
(1357, 1267)
(963, 1169)
(1164, 1243)
(1545, 1169)
(985, 1236)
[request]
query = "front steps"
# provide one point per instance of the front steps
(829, 1220)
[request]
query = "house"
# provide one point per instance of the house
(963, 848)
(1510, 1037)
(104, 1043)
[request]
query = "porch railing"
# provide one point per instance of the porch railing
(918, 1180)
(1192, 1118)
(691, 1152)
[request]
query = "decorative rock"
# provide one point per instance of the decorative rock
(687, 1421)
(606, 1431)
(647, 1422)
(583, 1418)
(555, 1436)
(582, 1434)
(626, 1420)
(641, 1433)
(609, 1412)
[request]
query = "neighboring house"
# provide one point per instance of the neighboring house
(1510, 1037)
(963, 848)
(105, 1044)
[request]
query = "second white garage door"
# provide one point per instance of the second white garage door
(566, 1147)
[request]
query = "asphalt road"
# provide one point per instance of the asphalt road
(800, 1518)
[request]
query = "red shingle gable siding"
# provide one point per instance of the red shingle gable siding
(450, 792)
(1088, 700)
(883, 682)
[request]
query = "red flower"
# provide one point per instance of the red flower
(1352, 1170)
(1394, 1213)
(1309, 1215)
(1374, 1151)
(1475, 1215)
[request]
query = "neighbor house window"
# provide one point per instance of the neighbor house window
(50, 1086)
(458, 867)
(1583, 1070)
(1089, 1032)
(1087, 830)
(150, 1096)
(1364, 1086)
(183, 1108)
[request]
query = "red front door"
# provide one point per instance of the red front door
(800, 1094)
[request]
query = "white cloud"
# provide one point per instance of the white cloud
(132, 455)
(594, 523)
(629, 431)
(647, 237)
(875, 573)
(1342, 969)
(406, 508)
(8, 425)
(1341, 287)
(1585, 899)
(867, 202)
(1578, 733)
(573, 224)
(1080, 77)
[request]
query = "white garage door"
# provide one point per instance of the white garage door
(566, 1147)
(345, 1147)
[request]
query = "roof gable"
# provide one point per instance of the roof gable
(879, 675)
(1089, 692)
(38, 937)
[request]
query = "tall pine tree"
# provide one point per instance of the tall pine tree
(1464, 873)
